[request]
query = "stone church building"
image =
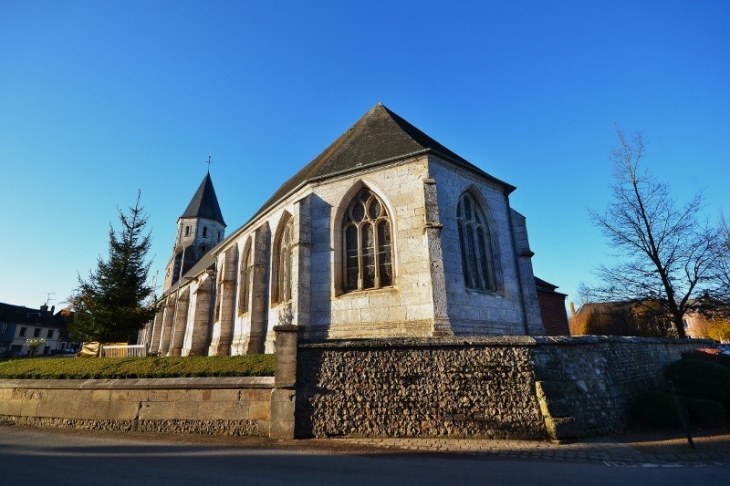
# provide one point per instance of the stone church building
(387, 233)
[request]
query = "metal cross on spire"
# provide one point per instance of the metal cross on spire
(209, 161)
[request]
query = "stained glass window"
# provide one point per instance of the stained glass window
(477, 257)
(245, 279)
(283, 263)
(367, 246)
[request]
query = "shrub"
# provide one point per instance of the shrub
(697, 378)
(707, 414)
(656, 408)
(150, 367)
(709, 354)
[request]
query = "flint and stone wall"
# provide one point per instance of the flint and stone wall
(512, 387)
(500, 387)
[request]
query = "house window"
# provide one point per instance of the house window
(37, 332)
(50, 334)
(205, 231)
(283, 262)
(367, 244)
(245, 280)
(477, 257)
(22, 332)
(3, 328)
(187, 230)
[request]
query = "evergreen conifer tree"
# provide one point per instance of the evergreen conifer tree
(111, 305)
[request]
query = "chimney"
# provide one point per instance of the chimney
(44, 308)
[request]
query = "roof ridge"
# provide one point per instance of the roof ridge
(380, 136)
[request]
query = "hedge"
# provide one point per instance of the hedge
(149, 367)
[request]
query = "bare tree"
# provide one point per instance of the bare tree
(665, 253)
(722, 290)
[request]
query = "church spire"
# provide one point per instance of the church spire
(199, 229)
(205, 203)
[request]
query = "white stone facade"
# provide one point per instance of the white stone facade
(231, 306)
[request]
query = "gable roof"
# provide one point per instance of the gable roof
(379, 137)
(205, 203)
(21, 315)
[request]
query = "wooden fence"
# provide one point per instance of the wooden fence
(123, 351)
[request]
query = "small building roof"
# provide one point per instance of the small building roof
(545, 286)
(204, 203)
(25, 316)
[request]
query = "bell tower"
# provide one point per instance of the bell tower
(199, 229)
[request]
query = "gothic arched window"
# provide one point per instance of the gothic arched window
(219, 293)
(367, 244)
(245, 279)
(282, 256)
(477, 257)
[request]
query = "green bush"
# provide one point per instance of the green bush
(707, 414)
(713, 355)
(696, 378)
(656, 408)
(151, 367)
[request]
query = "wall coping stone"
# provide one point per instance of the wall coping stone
(143, 383)
(526, 341)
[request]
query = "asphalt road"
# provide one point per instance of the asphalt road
(51, 457)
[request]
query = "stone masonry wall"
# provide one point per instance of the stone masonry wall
(474, 312)
(587, 385)
(501, 387)
(417, 388)
(258, 406)
(222, 406)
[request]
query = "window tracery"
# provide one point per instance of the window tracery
(477, 256)
(367, 244)
(283, 263)
(245, 279)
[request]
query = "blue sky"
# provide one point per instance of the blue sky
(101, 98)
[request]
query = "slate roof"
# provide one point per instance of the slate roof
(205, 262)
(21, 315)
(204, 203)
(545, 286)
(379, 137)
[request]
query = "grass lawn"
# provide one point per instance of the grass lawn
(150, 367)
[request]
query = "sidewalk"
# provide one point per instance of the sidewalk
(635, 449)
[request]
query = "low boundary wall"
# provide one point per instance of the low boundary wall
(509, 387)
(255, 406)
(501, 387)
(226, 406)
